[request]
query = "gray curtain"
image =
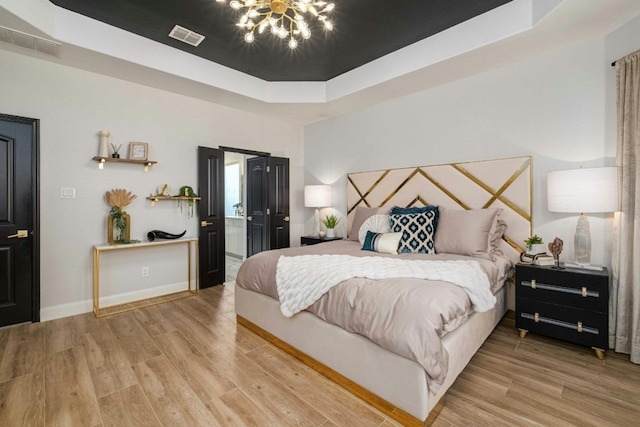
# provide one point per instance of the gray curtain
(624, 313)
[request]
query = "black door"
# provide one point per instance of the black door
(19, 249)
(211, 210)
(257, 205)
(267, 204)
(278, 202)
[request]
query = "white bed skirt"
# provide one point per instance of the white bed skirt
(397, 380)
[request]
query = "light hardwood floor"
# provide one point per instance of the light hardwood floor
(187, 363)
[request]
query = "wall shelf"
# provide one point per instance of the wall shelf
(155, 199)
(103, 160)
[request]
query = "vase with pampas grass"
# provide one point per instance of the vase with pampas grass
(118, 221)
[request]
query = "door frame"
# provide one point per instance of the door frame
(35, 206)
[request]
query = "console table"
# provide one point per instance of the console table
(190, 243)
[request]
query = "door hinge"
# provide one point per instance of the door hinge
(268, 211)
(268, 168)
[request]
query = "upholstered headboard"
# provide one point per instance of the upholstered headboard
(501, 183)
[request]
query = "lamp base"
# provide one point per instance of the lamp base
(582, 241)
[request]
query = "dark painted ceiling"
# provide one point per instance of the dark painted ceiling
(364, 30)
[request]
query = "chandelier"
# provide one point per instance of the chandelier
(282, 18)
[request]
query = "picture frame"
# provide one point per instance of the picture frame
(138, 150)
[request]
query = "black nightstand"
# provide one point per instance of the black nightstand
(314, 240)
(569, 304)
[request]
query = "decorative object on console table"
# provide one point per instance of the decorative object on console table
(569, 304)
(314, 240)
(593, 190)
(317, 196)
(118, 219)
(159, 234)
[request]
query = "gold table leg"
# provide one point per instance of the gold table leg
(523, 333)
(599, 353)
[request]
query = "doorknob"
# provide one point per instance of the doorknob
(21, 234)
(249, 218)
(205, 223)
(286, 219)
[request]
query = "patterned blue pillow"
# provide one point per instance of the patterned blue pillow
(418, 231)
(418, 209)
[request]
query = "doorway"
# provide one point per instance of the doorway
(19, 220)
(235, 225)
(244, 209)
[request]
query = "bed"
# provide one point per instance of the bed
(404, 374)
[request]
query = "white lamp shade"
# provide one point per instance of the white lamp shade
(317, 196)
(583, 190)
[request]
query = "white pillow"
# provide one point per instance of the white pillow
(375, 223)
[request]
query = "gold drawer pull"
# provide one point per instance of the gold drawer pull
(584, 291)
(579, 326)
(533, 285)
(536, 317)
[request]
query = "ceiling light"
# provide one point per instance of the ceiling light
(284, 17)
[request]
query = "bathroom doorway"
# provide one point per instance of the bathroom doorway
(235, 226)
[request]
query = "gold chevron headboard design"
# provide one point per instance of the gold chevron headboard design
(501, 183)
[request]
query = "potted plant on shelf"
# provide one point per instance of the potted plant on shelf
(331, 221)
(535, 245)
(187, 191)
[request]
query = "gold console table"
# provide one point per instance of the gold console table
(133, 305)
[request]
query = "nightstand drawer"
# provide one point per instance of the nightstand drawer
(567, 323)
(565, 287)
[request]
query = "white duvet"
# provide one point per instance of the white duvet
(302, 280)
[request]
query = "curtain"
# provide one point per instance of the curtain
(624, 313)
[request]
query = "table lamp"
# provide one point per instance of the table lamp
(592, 190)
(317, 196)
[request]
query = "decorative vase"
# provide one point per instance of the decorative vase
(115, 155)
(331, 233)
(114, 234)
(103, 146)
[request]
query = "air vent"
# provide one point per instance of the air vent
(28, 41)
(187, 36)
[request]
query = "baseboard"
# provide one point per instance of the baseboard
(86, 306)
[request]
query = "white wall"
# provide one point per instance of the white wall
(72, 106)
(556, 107)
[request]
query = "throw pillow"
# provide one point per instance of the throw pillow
(418, 230)
(386, 243)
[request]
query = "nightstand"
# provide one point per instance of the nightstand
(569, 304)
(314, 240)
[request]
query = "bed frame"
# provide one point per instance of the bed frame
(393, 384)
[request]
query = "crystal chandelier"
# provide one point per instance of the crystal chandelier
(283, 18)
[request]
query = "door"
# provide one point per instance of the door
(19, 249)
(267, 204)
(211, 212)
(278, 202)
(257, 205)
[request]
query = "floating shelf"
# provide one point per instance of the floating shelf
(155, 199)
(145, 163)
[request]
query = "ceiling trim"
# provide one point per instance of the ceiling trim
(79, 31)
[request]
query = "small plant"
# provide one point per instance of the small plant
(331, 221)
(186, 191)
(533, 240)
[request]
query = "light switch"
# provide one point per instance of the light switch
(67, 193)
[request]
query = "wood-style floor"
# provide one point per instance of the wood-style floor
(187, 363)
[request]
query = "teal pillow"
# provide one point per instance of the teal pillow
(386, 243)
